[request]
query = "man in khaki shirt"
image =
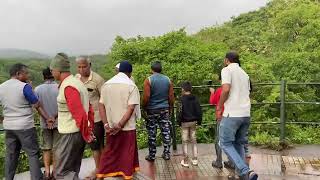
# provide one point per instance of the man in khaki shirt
(93, 83)
(119, 108)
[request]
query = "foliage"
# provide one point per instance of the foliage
(182, 56)
(279, 41)
(266, 140)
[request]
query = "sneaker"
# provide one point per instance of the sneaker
(251, 175)
(184, 164)
(215, 164)
(166, 157)
(149, 158)
(194, 162)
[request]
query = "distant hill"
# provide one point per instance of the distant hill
(10, 53)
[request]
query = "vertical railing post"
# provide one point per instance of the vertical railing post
(282, 111)
(173, 128)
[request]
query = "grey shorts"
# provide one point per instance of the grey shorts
(49, 138)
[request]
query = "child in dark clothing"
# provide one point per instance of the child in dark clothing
(189, 114)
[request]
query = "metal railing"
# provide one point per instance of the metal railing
(282, 105)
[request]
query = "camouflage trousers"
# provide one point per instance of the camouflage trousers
(158, 118)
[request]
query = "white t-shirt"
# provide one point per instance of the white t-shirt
(238, 103)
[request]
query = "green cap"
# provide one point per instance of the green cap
(60, 62)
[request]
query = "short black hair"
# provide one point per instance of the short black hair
(17, 68)
(156, 66)
(47, 73)
(233, 57)
(186, 86)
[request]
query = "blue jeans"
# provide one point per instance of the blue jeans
(233, 136)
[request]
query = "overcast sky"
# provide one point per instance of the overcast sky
(90, 26)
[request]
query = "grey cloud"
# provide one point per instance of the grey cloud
(90, 26)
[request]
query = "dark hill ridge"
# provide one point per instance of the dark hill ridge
(11, 53)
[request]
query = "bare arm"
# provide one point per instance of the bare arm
(43, 113)
(33, 99)
(103, 116)
(223, 98)
(127, 115)
(40, 110)
(102, 113)
(146, 93)
(224, 95)
(171, 96)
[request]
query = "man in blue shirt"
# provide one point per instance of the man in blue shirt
(18, 101)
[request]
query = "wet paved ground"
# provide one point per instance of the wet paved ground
(299, 163)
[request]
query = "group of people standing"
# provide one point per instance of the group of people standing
(84, 109)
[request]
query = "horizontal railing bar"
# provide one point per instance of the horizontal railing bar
(309, 83)
(252, 122)
(303, 102)
(261, 122)
(253, 84)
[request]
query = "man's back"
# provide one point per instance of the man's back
(159, 91)
(116, 98)
(17, 110)
(47, 94)
(238, 102)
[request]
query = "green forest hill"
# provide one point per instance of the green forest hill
(278, 41)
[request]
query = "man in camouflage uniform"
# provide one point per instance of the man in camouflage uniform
(158, 101)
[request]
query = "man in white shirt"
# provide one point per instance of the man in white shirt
(236, 115)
